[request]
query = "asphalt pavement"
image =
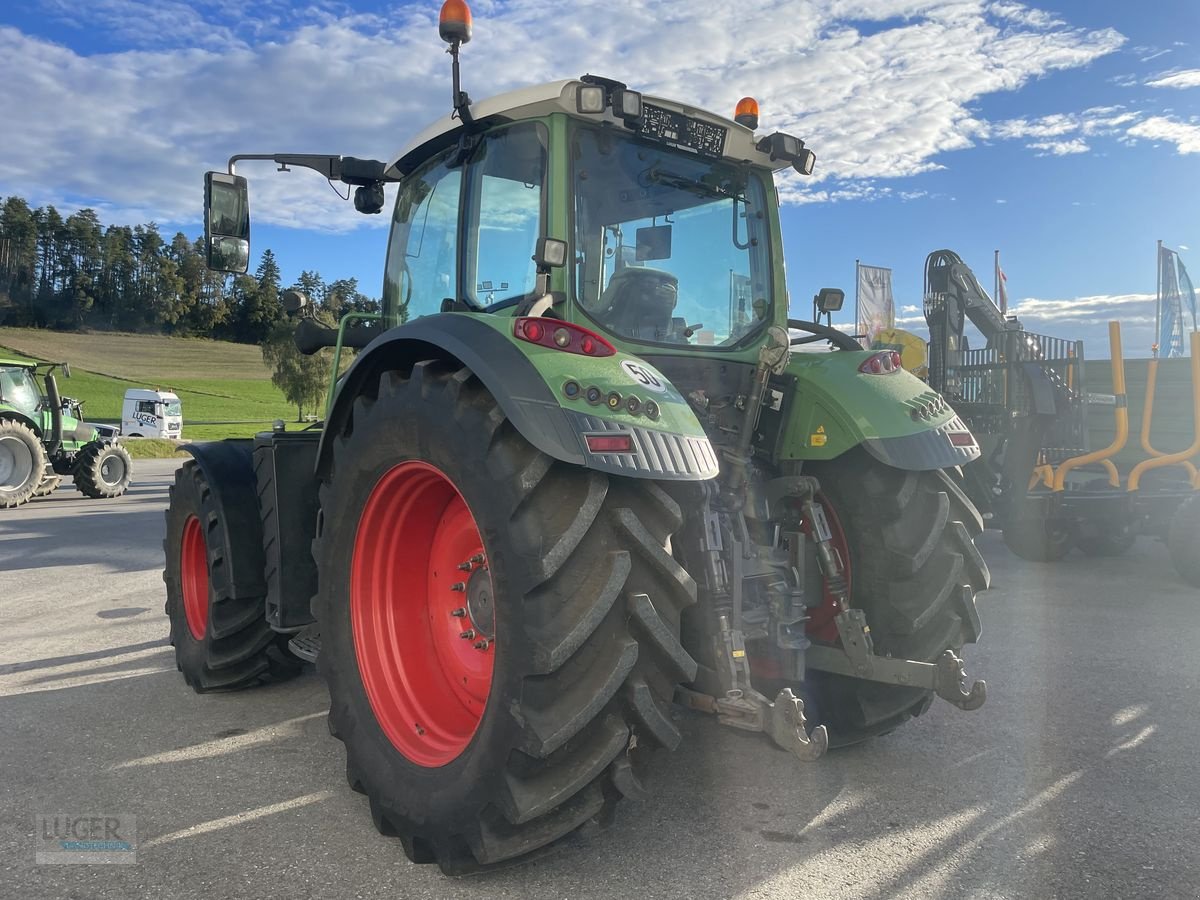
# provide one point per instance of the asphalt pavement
(1078, 778)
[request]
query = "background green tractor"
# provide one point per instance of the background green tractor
(43, 439)
(578, 472)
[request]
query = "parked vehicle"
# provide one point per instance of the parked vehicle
(574, 474)
(43, 439)
(152, 414)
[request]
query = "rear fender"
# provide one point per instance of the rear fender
(896, 417)
(228, 467)
(528, 381)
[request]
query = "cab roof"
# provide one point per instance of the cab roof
(560, 96)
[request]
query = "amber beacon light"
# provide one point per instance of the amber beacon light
(746, 112)
(454, 22)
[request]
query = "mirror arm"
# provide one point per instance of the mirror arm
(348, 169)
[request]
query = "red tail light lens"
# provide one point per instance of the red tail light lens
(885, 362)
(561, 336)
(609, 443)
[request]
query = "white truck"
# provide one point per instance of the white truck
(151, 413)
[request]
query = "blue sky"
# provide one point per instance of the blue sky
(1066, 134)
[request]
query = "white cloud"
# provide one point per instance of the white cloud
(1185, 78)
(130, 132)
(1059, 148)
(1184, 135)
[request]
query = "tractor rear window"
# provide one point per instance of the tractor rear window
(670, 247)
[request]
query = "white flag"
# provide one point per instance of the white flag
(876, 311)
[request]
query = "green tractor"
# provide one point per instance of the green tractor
(43, 439)
(582, 471)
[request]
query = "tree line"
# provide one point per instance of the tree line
(77, 274)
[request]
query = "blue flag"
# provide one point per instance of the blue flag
(1170, 306)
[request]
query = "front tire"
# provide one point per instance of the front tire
(1183, 540)
(482, 761)
(103, 470)
(22, 462)
(914, 570)
(219, 630)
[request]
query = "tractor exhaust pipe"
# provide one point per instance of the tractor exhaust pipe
(56, 427)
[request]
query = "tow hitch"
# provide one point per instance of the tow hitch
(857, 658)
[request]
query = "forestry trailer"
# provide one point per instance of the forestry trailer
(576, 474)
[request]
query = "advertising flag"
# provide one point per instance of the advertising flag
(876, 309)
(1170, 304)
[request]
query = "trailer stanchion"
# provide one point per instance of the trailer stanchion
(1151, 385)
(1120, 415)
(1183, 456)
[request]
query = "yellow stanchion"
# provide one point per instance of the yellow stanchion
(1120, 414)
(1172, 459)
(1148, 414)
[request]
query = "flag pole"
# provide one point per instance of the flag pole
(1003, 300)
(1157, 299)
(857, 266)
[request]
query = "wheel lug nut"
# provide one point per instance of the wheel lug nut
(477, 559)
(464, 566)
(458, 613)
(468, 635)
(482, 645)
(458, 587)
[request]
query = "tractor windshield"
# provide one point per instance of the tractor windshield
(670, 247)
(19, 390)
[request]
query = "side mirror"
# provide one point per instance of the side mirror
(226, 223)
(294, 302)
(830, 300)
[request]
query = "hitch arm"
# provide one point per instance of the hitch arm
(857, 659)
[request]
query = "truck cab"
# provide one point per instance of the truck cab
(151, 413)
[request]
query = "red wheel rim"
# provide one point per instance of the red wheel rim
(821, 623)
(193, 577)
(419, 582)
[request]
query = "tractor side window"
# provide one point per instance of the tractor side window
(19, 390)
(423, 250)
(504, 210)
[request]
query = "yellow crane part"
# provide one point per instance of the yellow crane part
(1172, 459)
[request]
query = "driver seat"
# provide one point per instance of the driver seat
(638, 302)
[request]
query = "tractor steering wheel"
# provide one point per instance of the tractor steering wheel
(839, 339)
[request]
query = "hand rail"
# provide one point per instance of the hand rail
(1184, 455)
(1120, 415)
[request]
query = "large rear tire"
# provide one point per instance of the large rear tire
(914, 570)
(22, 462)
(1183, 540)
(1039, 540)
(103, 470)
(218, 628)
(476, 756)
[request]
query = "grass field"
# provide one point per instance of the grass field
(218, 382)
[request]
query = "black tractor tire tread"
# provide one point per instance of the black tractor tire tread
(49, 485)
(600, 599)
(1038, 540)
(1183, 540)
(239, 650)
(28, 490)
(915, 573)
(86, 473)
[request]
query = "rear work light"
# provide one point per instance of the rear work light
(559, 335)
(609, 443)
(885, 362)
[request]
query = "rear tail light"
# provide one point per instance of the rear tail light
(609, 443)
(885, 362)
(560, 335)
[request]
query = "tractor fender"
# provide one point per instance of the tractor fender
(228, 467)
(23, 419)
(523, 394)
